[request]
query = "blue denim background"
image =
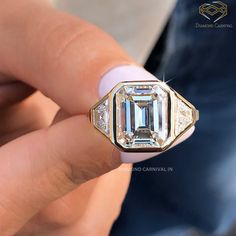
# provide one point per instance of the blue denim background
(200, 192)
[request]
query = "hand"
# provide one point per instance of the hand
(50, 159)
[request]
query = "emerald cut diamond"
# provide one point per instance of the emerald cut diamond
(142, 116)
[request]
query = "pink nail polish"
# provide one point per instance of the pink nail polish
(122, 73)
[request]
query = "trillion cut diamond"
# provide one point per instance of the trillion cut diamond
(142, 116)
(101, 117)
(184, 116)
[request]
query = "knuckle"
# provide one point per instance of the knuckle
(58, 40)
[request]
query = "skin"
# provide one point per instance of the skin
(57, 173)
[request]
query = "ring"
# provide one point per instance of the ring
(143, 116)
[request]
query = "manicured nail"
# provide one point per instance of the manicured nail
(122, 73)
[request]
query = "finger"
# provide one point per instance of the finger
(45, 165)
(105, 201)
(79, 210)
(80, 207)
(61, 55)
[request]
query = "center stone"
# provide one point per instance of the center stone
(141, 116)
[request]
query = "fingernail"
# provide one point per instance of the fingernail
(120, 74)
(112, 78)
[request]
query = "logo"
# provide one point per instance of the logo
(215, 11)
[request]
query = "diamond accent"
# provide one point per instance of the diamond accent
(142, 116)
(184, 116)
(101, 117)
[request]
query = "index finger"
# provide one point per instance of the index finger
(61, 55)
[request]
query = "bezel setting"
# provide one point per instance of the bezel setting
(143, 116)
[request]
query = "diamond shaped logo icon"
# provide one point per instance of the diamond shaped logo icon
(213, 11)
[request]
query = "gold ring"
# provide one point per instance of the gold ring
(143, 116)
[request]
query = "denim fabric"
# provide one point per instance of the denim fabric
(200, 191)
